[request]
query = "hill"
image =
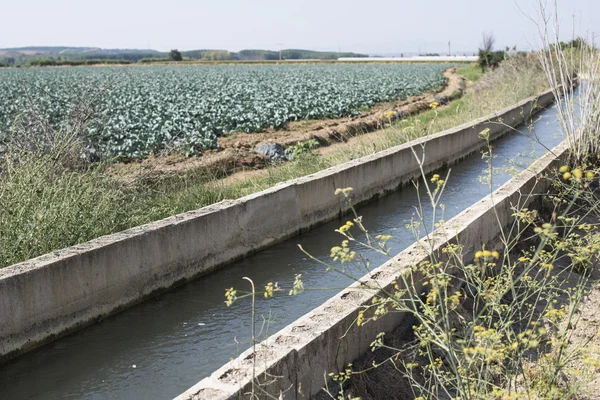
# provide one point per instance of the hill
(48, 55)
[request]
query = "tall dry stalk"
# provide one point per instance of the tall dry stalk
(566, 68)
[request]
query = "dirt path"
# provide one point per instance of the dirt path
(236, 154)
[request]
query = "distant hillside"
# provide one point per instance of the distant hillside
(41, 55)
(26, 55)
(294, 54)
(70, 50)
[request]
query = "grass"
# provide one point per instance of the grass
(472, 72)
(47, 207)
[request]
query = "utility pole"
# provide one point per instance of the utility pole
(449, 52)
(280, 47)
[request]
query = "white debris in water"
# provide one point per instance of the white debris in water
(201, 324)
(133, 366)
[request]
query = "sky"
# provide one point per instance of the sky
(374, 26)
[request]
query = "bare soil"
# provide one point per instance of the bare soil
(235, 154)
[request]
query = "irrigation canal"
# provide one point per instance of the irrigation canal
(160, 348)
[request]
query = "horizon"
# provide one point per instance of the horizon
(382, 28)
(24, 48)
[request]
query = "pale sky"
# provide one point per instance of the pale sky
(374, 26)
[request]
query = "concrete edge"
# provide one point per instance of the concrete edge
(326, 339)
(55, 294)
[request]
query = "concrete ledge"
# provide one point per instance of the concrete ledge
(57, 293)
(297, 358)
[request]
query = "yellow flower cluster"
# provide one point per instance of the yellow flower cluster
(526, 215)
(556, 314)
(488, 345)
(269, 290)
(388, 115)
(230, 296)
(530, 339)
(344, 191)
(298, 286)
(383, 239)
(431, 296)
(434, 105)
(346, 227)
(436, 179)
(577, 173)
(342, 253)
(486, 254)
(343, 376)
(546, 231)
(454, 300)
(489, 354)
(361, 318)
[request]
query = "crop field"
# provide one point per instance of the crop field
(137, 111)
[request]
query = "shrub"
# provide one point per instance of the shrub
(175, 55)
(490, 59)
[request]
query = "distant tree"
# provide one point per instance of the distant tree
(175, 55)
(292, 55)
(488, 58)
(577, 43)
(488, 42)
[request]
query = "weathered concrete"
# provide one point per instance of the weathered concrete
(297, 358)
(57, 293)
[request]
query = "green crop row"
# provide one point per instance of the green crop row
(146, 110)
